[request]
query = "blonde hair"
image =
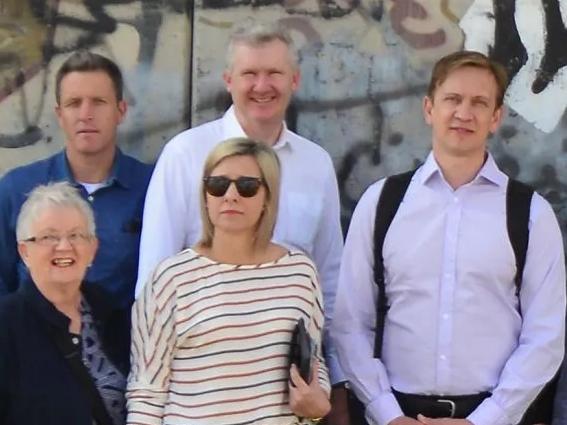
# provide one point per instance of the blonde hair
(464, 58)
(269, 165)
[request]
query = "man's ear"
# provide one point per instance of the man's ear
(57, 111)
(227, 78)
(122, 109)
(497, 117)
(427, 106)
(295, 79)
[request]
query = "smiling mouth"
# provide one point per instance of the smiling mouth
(63, 262)
(263, 99)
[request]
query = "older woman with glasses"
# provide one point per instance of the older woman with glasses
(63, 351)
(211, 332)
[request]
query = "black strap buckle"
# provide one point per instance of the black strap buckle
(452, 406)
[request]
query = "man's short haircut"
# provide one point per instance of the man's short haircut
(447, 64)
(258, 34)
(85, 61)
(51, 195)
(269, 165)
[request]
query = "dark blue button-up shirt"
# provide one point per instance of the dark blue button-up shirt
(117, 206)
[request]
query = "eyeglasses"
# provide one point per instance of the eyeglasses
(246, 186)
(74, 238)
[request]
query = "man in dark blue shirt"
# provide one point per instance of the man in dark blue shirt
(89, 109)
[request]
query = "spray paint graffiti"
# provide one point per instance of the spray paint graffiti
(365, 66)
(528, 38)
(39, 36)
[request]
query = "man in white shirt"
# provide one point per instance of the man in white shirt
(261, 76)
(458, 339)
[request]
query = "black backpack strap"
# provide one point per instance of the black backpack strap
(72, 355)
(391, 197)
(518, 202)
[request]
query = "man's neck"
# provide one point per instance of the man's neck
(459, 171)
(268, 133)
(91, 168)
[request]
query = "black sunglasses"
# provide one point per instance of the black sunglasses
(246, 186)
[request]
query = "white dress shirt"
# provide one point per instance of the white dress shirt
(309, 209)
(454, 326)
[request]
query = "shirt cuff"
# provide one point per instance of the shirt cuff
(383, 409)
(489, 413)
(336, 374)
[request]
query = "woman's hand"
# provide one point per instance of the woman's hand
(307, 400)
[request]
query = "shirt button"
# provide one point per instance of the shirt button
(445, 316)
(75, 340)
(90, 198)
(455, 200)
(443, 357)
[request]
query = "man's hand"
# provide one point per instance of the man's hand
(307, 400)
(404, 420)
(442, 421)
(339, 414)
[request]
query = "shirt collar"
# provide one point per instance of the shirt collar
(119, 174)
(232, 128)
(489, 171)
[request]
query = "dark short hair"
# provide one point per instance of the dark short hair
(85, 61)
(464, 58)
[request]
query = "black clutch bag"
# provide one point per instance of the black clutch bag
(300, 350)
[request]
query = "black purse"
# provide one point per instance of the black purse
(300, 350)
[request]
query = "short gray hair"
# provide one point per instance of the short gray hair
(60, 194)
(257, 34)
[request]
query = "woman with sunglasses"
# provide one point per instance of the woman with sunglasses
(63, 347)
(212, 330)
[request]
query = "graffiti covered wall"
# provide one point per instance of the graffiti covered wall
(149, 39)
(365, 65)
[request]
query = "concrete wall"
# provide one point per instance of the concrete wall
(365, 65)
(149, 39)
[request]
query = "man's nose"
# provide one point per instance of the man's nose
(262, 82)
(86, 111)
(464, 111)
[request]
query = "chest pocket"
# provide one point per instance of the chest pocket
(299, 219)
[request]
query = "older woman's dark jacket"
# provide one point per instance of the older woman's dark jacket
(36, 383)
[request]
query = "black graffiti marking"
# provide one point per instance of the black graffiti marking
(223, 4)
(91, 31)
(508, 48)
(510, 52)
(29, 136)
(328, 9)
(555, 53)
(508, 131)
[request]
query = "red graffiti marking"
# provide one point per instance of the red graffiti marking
(403, 9)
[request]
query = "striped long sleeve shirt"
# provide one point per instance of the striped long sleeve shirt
(210, 341)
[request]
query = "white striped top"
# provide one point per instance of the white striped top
(210, 341)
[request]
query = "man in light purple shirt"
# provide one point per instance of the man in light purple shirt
(454, 332)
